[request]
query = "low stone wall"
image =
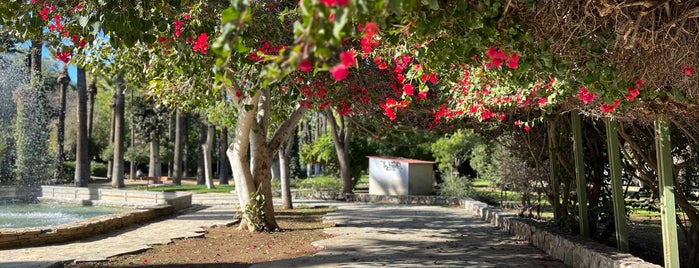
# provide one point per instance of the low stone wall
(37, 236)
(572, 250)
(114, 197)
(429, 200)
(13, 193)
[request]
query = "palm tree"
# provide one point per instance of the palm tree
(82, 160)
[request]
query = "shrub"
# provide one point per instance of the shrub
(98, 169)
(454, 185)
(321, 182)
(69, 171)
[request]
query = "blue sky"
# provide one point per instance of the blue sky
(49, 57)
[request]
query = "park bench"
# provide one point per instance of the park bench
(155, 180)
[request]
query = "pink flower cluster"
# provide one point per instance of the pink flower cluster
(497, 58)
(201, 45)
(340, 71)
(332, 3)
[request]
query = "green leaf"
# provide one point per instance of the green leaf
(433, 4)
(229, 14)
(340, 21)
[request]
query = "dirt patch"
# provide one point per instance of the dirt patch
(229, 247)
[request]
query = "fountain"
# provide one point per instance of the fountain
(24, 122)
(22, 215)
(26, 176)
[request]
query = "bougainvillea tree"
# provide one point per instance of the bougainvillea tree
(432, 63)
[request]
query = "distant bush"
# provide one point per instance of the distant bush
(321, 182)
(98, 169)
(69, 171)
(454, 185)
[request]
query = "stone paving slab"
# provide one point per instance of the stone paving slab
(132, 239)
(373, 235)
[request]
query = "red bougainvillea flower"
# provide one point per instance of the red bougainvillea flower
(493, 53)
(331, 17)
(527, 128)
(200, 44)
(496, 56)
(339, 72)
(76, 8)
(74, 38)
(63, 56)
(688, 70)
(422, 94)
(187, 16)
(33, 1)
(639, 83)
(56, 26)
(178, 27)
(239, 94)
(408, 89)
(390, 106)
(585, 96)
(608, 108)
(513, 62)
(347, 58)
(370, 29)
(82, 43)
(429, 77)
(344, 109)
(305, 66)
(44, 13)
(332, 3)
(633, 93)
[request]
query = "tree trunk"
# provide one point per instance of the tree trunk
(91, 93)
(275, 168)
(238, 153)
(224, 167)
(307, 139)
(63, 80)
(185, 145)
(691, 232)
(35, 58)
(82, 160)
(201, 177)
(207, 149)
(154, 164)
(284, 171)
(118, 161)
(342, 136)
(112, 106)
(177, 154)
(132, 141)
(252, 177)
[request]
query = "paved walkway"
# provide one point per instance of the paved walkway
(366, 235)
(371, 235)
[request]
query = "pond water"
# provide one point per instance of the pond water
(20, 215)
